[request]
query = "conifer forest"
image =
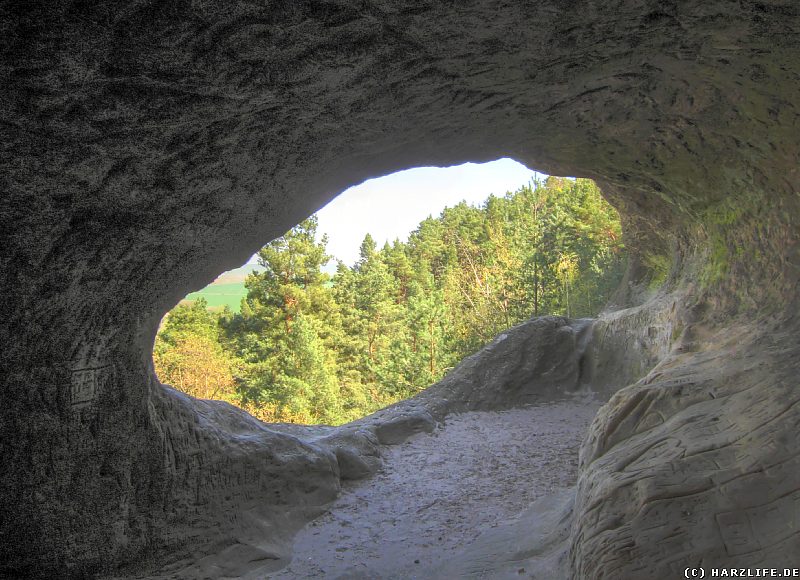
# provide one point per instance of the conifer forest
(310, 347)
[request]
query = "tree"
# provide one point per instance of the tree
(292, 281)
(189, 356)
(298, 382)
(310, 348)
(378, 311)
(288, 330)
(567, 271)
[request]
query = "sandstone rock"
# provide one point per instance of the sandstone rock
(147, 147)
(536, 361)
(534, 545)
(356, 451)
(398, 429)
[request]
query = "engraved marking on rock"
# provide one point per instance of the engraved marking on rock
(87, 383)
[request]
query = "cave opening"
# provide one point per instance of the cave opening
(149, 148)
(390, 286)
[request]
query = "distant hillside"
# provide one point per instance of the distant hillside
(227, 290)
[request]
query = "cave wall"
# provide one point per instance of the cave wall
(148, 146)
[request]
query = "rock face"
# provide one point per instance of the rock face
(148, 146)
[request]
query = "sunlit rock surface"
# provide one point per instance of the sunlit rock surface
(147, 146)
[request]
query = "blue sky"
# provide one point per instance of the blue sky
(392, 206)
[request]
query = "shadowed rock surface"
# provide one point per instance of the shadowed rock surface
(147, 146)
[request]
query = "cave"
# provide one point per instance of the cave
(148, 147)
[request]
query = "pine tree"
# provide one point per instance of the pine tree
(289, 329)
(310, 348)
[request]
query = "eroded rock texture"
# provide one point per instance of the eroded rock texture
(148, 146)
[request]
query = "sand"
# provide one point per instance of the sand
(437, 493)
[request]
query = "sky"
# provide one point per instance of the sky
(392, 206)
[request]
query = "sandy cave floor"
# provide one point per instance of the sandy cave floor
(438, 492)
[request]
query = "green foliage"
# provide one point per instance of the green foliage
(188, 354)
(310, 348)
(188, 319)
(660, 266)
(719, 221)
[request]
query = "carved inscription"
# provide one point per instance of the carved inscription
(759, 527)
(87, 384)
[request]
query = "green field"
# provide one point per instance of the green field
(227, 290)
(219, 295)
